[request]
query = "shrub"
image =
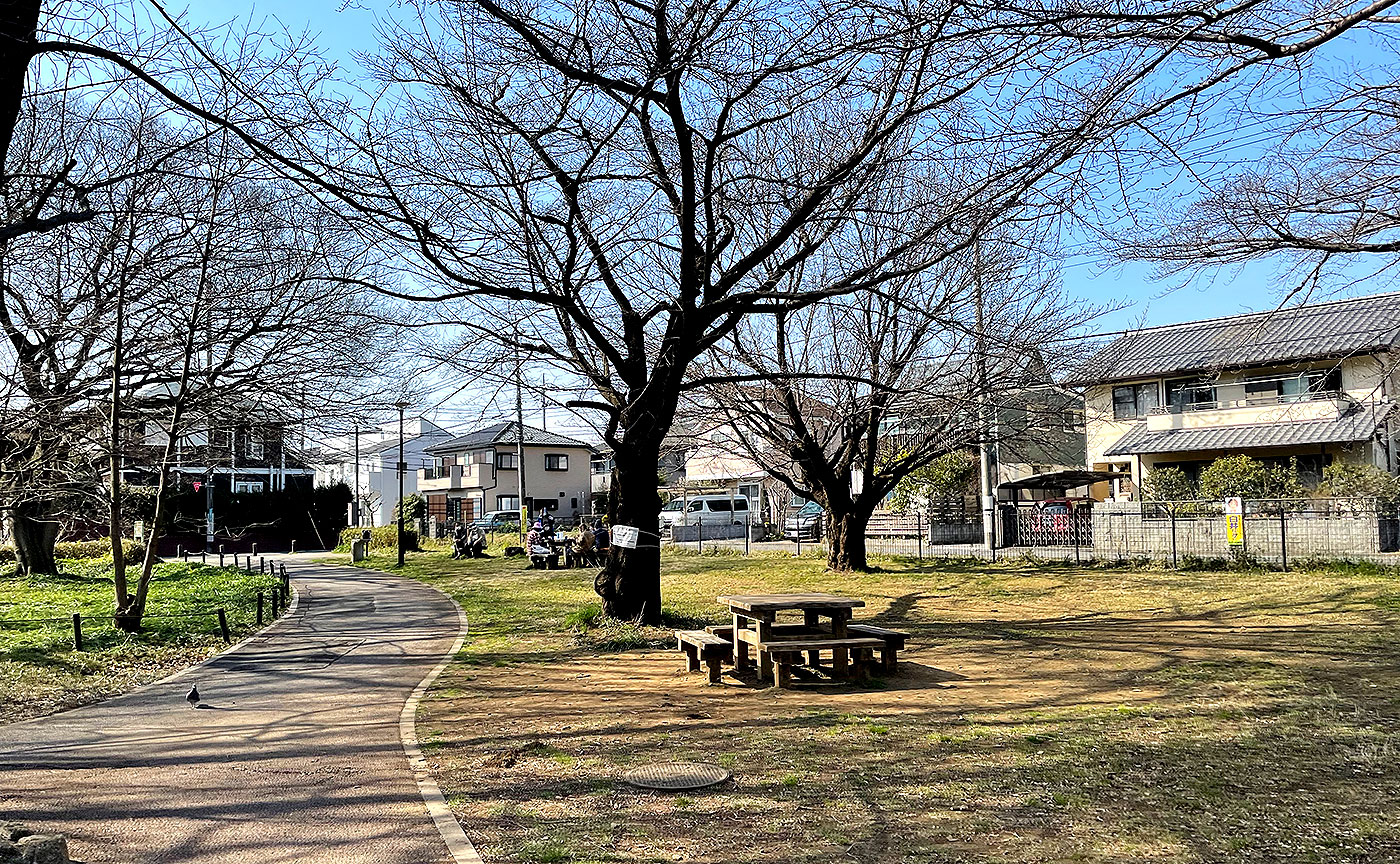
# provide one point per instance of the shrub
(1167, 484)
(1355, 480)
(380, 537)
(1247, 477)
(81, 550)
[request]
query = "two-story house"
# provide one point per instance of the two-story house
(478, 472)
(1315, 382)
(368, 464)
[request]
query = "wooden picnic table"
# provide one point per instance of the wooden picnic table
(756, 614)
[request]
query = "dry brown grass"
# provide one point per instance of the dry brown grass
(1044, 714)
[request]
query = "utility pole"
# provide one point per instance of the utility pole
(520, 445)
(984, 444)
(402, 466)
(114, 521)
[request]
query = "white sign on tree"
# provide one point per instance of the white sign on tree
(625, 536)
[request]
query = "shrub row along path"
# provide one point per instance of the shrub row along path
(295, 754)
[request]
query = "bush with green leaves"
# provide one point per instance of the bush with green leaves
(380, 537)
(1168, 484)
(82, 550)
(944, 477)
(1359, 480)
(1247, 477)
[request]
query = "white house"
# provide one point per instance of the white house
(375, 481)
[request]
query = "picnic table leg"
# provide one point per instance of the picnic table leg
(810, 617)
(783, 677)
(814, 658)
(741, 648)
(712, 663)
(839, 619)
(765, 658)
(692, 658)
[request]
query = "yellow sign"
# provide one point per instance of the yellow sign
(1234, 521)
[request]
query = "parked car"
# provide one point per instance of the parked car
(806, 523)
(499, 520)
(705, 510)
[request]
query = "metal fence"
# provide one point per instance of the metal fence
(1273, 531)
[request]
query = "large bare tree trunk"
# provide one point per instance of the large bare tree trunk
(630, 581)
(846, 540)
(19, 20)
(34, 537)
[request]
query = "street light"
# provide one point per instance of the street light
(401, 406)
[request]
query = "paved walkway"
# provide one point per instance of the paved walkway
(296, 757)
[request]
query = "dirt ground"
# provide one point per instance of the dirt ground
(1048, 725)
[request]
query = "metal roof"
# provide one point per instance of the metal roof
(1321, 330)
(1357, 425)
(505, 433)
(1067, 479)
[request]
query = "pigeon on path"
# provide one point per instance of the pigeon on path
(192, 697)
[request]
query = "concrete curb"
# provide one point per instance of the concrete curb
(459, 846)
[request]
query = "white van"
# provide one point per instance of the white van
(705, 510)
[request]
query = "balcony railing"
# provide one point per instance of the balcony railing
(1248, 402)
(437, 473)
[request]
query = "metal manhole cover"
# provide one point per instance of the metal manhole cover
(676, 776)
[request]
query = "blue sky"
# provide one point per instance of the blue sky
(343, 27)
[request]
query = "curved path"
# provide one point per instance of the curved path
(295, 756)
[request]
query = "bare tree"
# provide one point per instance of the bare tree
(845, 399)
(1323, 193)
(612, 187)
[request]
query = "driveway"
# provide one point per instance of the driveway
(295, 755)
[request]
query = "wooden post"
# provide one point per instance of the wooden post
(275, 596)
(286, 587)
(77, 632)
(260, 608)
(223, 624)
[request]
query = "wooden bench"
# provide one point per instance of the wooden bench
(699, 645)
(894, 642)
(778, 656)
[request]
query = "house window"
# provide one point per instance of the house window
(1132, 401)
(1293, 388)
(246, 486)
(507, 461)
(1190, 394)
(556, 462)
(481, 457)
(253, 449)
(507, 502)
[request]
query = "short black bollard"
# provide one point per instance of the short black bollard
(204, 557)
(286, 587)
(221, 554)
(276, 603)
(255, 549)
(262, 565)
(180, 551)
(223, 624)
(185, 556)
(294, 547)
(260, 608)
(248, 565)
(77, 632)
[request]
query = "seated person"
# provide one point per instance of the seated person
(474, 542)
(537, 546)
(601, 540)
(580, 552)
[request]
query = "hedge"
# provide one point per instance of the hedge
(380, 537)
(83, 549)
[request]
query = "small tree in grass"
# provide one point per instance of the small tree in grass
(1247, 477)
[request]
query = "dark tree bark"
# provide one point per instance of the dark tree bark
(846, 536)
(19, 21)
(630, 582)
(34, 536)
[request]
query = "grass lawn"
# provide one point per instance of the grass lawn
(1044, 714)
(41, 673)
